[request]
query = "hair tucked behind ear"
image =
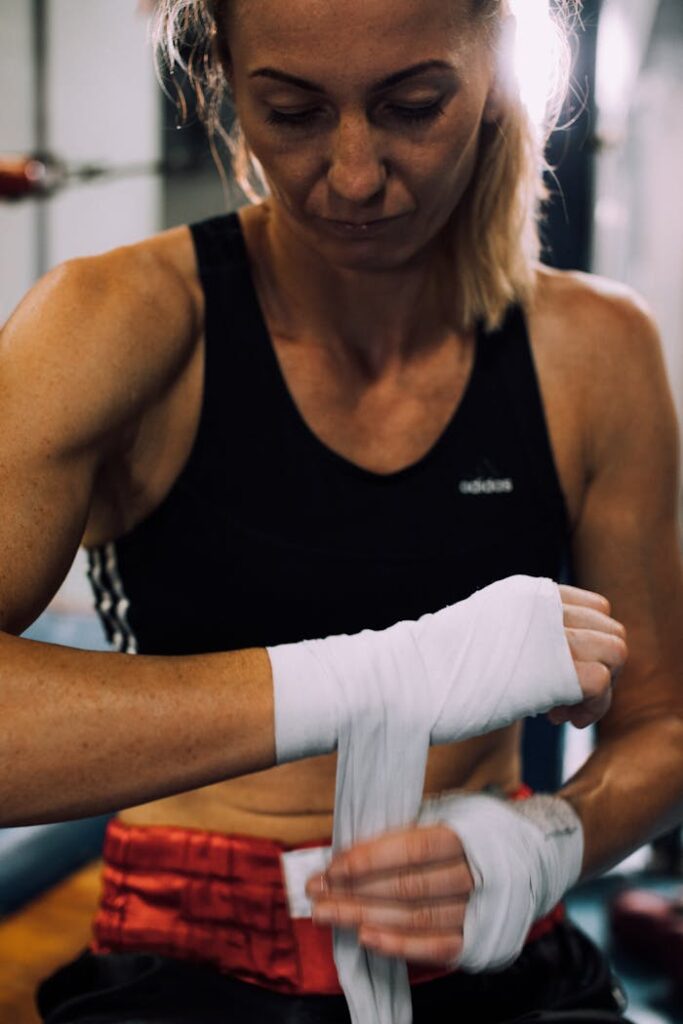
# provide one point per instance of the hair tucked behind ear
(492, 237)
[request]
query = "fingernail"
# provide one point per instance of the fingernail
(317, 886)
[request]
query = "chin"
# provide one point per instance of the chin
(377, 264)
(373, 255)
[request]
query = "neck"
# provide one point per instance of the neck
(376, 318)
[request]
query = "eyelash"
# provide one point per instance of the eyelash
(411, 115)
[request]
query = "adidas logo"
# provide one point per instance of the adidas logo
(486, 486)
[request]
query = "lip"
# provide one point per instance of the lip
(361, 230)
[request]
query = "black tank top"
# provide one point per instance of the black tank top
(269, 536)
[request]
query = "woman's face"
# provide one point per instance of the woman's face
(365, 115)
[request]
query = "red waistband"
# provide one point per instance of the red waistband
(220, 900)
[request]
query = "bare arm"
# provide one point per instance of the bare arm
(80, 362)
(627, 547)
(80, 733)
(407, 891)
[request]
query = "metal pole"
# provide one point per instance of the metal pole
(40, 126)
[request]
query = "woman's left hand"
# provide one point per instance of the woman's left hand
(406, 892)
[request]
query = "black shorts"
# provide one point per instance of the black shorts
(561, 978)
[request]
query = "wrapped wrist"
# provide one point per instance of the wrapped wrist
(523, 857)
(468, 669)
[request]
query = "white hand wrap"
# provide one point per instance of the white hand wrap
(523, 857)
(477, 666)
(380, 698)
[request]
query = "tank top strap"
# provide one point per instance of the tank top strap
(507, 360)
(235, 338)
(268, 537)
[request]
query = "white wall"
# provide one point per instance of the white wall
(17, 223)
(103, 108)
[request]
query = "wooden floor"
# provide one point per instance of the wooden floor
(42, 936)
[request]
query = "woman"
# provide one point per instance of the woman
(351, 404)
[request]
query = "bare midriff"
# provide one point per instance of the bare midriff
(293, 803)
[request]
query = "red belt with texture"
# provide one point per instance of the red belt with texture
(220, 900)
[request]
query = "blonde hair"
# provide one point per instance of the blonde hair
(492, 237)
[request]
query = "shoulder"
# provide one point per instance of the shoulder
(135, 303)
(593, 314)
(104, 335)
(601, 337)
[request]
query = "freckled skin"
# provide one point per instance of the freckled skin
(375, 368)
(356, 159)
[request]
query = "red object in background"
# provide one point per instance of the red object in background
(649, 928)
(22, 176)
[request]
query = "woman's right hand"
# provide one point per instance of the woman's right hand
(519, 647)
(598, 646)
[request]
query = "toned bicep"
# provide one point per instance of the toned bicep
(52, 425)
(627, 539)
(44, 503)
(83, 356)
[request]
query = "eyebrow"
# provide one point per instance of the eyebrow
(386, 83)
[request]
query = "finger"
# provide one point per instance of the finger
(559, 715)
(595, 679)
(582, 617)
(575, 595)
(426, 948)
(590, 711)
(591, 645)
(582, 715)
(412, 885)
(444, 915)
(394, 850)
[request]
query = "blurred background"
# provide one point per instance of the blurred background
(92, 156)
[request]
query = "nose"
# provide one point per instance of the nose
(357, 171)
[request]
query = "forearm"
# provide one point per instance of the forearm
(629, 791)
(85, 733)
